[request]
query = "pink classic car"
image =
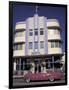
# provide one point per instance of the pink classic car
(43, 76)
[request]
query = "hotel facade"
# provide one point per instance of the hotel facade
(37, 45)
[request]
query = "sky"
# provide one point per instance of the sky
(22, 12)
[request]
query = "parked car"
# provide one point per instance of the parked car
(43, 76)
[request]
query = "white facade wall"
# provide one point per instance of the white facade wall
(54, 51)
(41, 22)
(37, 22)
(30, 23)
(20, 25)
(19, 39)
(42, 51)
(52, 22)
(52, 35)
(17, 53)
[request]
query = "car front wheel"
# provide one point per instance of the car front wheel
(27, 80)
(51, 79)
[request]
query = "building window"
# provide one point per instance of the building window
(41, 44)
(18, 65)
(52, 44)
(59, 44)
(41, 32)
(36, 32)
(18, 47)
(36, 45)
(30, 33)
(30, 45)
(55, 44)
(22, 65)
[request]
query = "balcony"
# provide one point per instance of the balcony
(54, 51)
(54, 37)
(19, 39)
(20, 25)
(53, 23)
(17, 53)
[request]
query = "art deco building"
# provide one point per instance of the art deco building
(37, 45)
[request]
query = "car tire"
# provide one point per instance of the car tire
(27, 80)
(51, 79)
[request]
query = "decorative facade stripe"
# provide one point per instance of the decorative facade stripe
(26, 38)
(46, 36)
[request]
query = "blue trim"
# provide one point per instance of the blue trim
(46, 36)
(33, 36)
(26, 39)
(38, 33)
(36, 17)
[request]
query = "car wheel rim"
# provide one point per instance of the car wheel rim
(51, 79)
(27, 80)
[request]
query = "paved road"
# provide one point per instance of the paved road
(22, 83)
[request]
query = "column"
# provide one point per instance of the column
(53, 62)
(46, 36)
(19, 72)
(44, 67)
(36, 21)
(23, 65)
(26, 38)
(41, 69)
(14, 66)
(33, 66)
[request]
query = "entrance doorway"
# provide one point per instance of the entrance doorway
(37, 66)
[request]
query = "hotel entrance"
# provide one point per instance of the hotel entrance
(40, 64)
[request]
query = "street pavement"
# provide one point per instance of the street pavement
(21, 82)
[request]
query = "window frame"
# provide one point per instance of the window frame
(41, 44)
(18, 47)
(41, 32)
(30, 45)
(56, 44)
(36, 44)
(52, 44)
(36, 33)
(30, 33)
